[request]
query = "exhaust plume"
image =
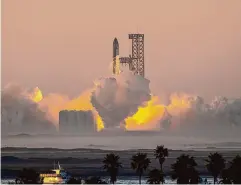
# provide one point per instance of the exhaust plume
(119, 97)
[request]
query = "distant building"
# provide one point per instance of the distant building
(74, 122)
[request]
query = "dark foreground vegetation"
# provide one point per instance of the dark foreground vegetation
(183, 170)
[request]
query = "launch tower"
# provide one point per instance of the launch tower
(135, 59)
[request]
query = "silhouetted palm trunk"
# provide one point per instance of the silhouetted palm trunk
(112, 180)
(139, 178)
(161, 169)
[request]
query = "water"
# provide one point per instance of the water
(126, 180)
(123, 142)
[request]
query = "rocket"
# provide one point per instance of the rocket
(115, 48)
(115, 53)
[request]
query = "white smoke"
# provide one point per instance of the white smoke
(115, 98)
(20, 114)
(118, 97)
(219, 117)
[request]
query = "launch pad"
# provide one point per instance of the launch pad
(135, 59)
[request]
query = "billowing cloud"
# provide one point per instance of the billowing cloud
(119, 97)
(20, 113)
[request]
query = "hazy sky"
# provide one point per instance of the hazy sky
(62, 45)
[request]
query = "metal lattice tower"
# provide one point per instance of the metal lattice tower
(136, 59)
(137, 53)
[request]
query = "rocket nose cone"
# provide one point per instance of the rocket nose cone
(115, 41)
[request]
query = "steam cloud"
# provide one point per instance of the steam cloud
(19, 113)
(119, 97)
(221, 116)
(116, 99)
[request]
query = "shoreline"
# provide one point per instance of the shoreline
(88, 161)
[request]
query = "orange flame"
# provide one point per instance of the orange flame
(146, 118)
(36, 96)
(55, 103)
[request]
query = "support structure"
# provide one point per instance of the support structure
(136, 58)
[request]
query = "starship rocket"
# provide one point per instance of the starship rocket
(115, 53)
(115, 48)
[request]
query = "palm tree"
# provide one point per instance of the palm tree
(155, 176)
(112, 165)
(215, 165)
(28, 176)
(194, 177)
(161, 153)
(235, 170)
(140, 163)
(183, 170)
(94, 180)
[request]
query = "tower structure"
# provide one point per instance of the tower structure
(76, 122)
(136, 58)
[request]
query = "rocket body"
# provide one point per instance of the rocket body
(115, 48)
(115, 53)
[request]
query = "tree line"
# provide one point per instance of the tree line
(183, 170)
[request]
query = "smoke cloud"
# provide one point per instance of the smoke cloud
(222, 116)
(119, 97)
(121, 101)
(20, 113)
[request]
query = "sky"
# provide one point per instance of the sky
(63, 46)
